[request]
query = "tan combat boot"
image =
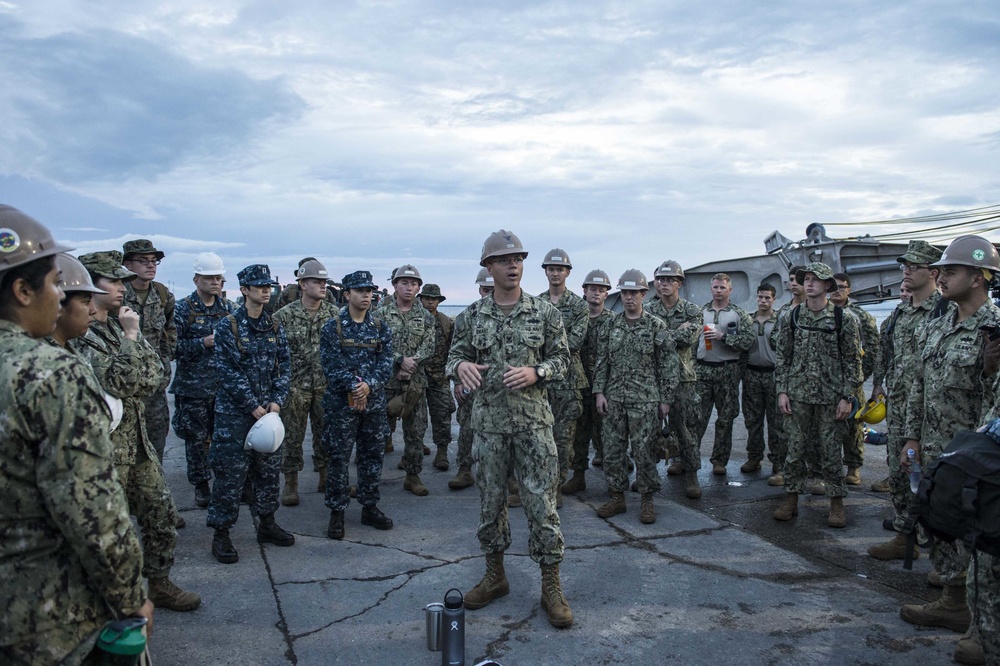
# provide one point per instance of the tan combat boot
(881, 486)
(950, 611)
(493, 585)
(321, 484)
(647, 512)
(776, 479)
(970, 649)
(575, 484)
(692, 489)
(789, 509)
(441, 459)
(676, 468)
(413, 483)
(462, 480)
(836, 517)
(893, 549)
(290, 493)
(853, 477)
(553, 600)
(513, 492)
(750, 466)
(559, 501)
(389, 448)
(613, 506)
(164, 594)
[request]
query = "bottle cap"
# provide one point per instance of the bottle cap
(453, 601)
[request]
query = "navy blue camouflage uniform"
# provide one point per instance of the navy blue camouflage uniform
(349, 350)
(194, 383)
(253, 368)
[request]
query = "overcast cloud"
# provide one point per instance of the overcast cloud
(375, 133)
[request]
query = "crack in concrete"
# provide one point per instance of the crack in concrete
(378, 602)
(282, 623)
(374, 579)
(496, 648)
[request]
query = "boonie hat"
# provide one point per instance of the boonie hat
(820, 270)
(920, 252)
(431, 290)
(140, 246)
(107, 264)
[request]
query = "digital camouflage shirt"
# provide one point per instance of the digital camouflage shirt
(588, 353)
(685, 337)
(443, 328)
(302, 329)
(412, 335)
(194, 321)
(575, 315)
(355, 350)
(634, 357)
(252, 366)
(531, 335)
(156, 321)
(868, 328)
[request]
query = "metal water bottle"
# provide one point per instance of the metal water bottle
(453, 630)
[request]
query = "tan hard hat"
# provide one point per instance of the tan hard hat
(597, 278)
(974, 251)
(557, 257)
(407, 271)
(311, 269)
(24, 239)
(669, 268)
(74, 276)
(500, 244)
(484, 279)
(633, 280)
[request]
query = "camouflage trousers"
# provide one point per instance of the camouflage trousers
(193, 422)
(532, 455)
(157, 420)
(852, 437)
(566, 409)
(986, 609)
(719, 387)
(440, 407)
(899, 481)
(67, 645)
(231, 465)
(302, 405)
(414, 429)
(685, 415)
(464, 418)
(814, 428)
(344, 431)
(588, 429)
(760, 405)
(149, 500)
(638, 423)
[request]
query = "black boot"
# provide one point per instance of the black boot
(202, 494)
(370, 515)
(269, 532)
(222, 547)
(335, 530)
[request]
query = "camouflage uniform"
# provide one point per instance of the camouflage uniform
(719, 380)
(156, 321)
(851, 430)
(816, 366)
(898, 362)
(130, 370)
(987, 615)
(948, 395)
(305, 398)
(760, 400)
(292, 294)
(464, 413)
(564, 395)
(69, 558)
(194, 384)
(412, 335)
(252, 369)
(513, 429)
(685, 410)
(347, 352)
(633, 357)
(588, 426)
(440, 404)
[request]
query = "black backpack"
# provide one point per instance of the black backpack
(959, 495)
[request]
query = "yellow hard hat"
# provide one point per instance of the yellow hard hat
(874, 411)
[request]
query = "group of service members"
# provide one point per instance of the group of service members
(536, 381)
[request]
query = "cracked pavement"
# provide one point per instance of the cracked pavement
(713, 581)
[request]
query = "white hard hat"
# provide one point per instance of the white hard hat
(209, 263)
(117, 410)
(266, 435)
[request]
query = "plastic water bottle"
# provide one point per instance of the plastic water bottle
(915, 472)
(453, 630)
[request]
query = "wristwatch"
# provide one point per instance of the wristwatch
(542, 372)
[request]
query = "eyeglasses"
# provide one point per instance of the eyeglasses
(907, 267)
(507, 261)
(146, 262)
(663, 279)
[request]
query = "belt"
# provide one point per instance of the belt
(717, 363)
(760, 368)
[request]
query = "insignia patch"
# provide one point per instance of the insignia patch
(978, 255)
(9, 240)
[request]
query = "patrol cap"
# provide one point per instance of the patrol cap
(633, 280)
(311, 269)
(973, 251)
(500, 244)
(358, 280)
(23, 239)
(431, 290)
(107, 264)
(209, 263)
(557, 257)
(920, 252)
(821, 271)
(484, 279)
(255, 275)
(407, 271)
(669, 268)
(74, 276)
(140, 246)
(597, 278)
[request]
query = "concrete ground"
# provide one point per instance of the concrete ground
(713, 581)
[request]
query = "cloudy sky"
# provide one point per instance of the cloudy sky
(370, 134)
